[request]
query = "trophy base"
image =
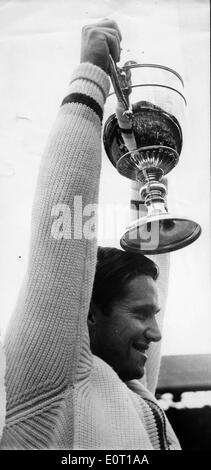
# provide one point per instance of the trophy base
(160, 233)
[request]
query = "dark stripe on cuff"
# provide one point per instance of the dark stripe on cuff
(86, 100)
(126, 131)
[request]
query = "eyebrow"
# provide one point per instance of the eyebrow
(145, 308)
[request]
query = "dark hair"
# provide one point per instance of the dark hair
(114, 269)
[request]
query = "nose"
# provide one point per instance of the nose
(152, 332)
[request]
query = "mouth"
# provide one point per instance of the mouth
(141, 348)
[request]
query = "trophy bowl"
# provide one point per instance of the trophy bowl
(158, 137)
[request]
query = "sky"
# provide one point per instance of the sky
(39, 48)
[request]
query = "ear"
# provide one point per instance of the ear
(93, 314)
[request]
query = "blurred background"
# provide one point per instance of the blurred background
(39, 48)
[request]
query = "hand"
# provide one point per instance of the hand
(98, 41)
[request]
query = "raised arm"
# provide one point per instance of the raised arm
(49, 327)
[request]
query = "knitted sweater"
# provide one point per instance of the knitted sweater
(59, 395)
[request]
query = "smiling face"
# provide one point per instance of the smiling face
(122, 337)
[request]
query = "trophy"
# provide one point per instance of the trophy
(143, 140)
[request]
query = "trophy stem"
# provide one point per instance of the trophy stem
(153, 192)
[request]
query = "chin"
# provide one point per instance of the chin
(139, 376)
(136, 375)
(139, 373)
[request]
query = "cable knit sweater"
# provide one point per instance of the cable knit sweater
(59, 395)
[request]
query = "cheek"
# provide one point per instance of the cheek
(116, 334)
(133, 331)
(125, 331)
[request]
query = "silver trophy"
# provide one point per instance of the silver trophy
(144, 142)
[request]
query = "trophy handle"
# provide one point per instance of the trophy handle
(119, 81)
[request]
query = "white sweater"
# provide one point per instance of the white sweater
(60, 396)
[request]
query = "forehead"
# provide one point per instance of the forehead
(142, 289)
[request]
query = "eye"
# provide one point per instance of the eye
(142, 315)
(144, 312)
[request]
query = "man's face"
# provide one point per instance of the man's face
(122, 338)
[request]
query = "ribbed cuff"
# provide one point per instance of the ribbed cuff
(94, 74)
(89, 86)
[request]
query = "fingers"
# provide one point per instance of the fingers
(107, 23)
(113, 41)
(98, 41)
(112, 37)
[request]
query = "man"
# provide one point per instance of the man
(62, 393)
